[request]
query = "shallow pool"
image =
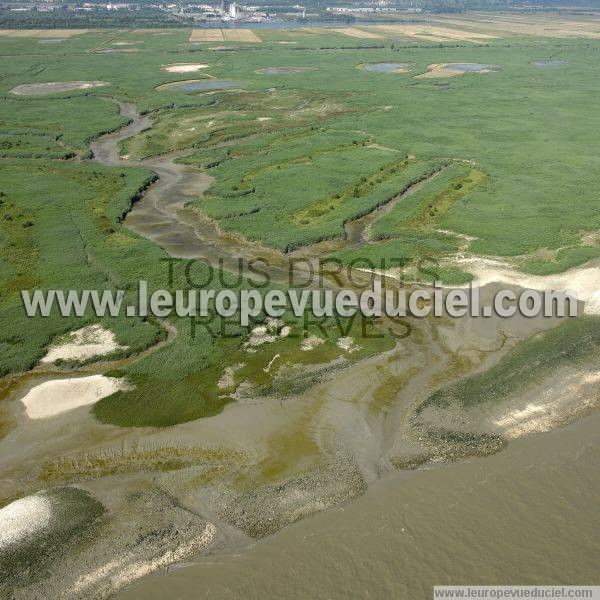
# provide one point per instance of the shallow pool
(194, 86)
(282, 70)
(385, 67)
(469, 67)
(548, 63)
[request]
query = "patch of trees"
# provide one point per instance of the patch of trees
(99, 17)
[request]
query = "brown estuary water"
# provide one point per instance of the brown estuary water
(528, 515)
(330, 492)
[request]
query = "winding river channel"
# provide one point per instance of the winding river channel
(162, 216)
(526, 515)
(184, 232)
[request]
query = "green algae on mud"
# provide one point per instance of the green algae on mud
(43, 526)
(477, 415)
(275, 369)
(574, 342)
(528, 510)
(138, 459)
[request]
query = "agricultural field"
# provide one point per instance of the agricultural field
(468, 144)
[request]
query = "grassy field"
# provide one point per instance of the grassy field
(293, 156)
(528, 129)
(59, 228)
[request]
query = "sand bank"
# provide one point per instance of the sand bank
(185, 68)
(93, 340)
(121, 572)
(454, 69)
(312, 341)
(347, 344)
(584, 281)
(24, 518)
(561, 401)
(55, 397)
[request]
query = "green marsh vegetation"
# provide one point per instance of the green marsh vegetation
(75, 515)
(59, 225)
(410, 229)
(76, 241)
(576, 342)
(293, 157)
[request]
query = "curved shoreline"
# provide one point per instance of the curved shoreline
(163, 215)
(355, 431)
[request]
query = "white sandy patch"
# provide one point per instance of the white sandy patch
(262, 119)
(93, 340)
(396, 273)
(185, 68)
(592, 306)
(268, 367)
(583, 281)
(55, 397)
(227, 379)
(312, 341)
(347, 344)
(557, 404)
(259, 336)
(274, 324)
(24, 518)
(272, 330)
(519, 416)
(121, 572)
(462, 236)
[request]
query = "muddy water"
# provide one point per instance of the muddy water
(162, 216)
(197, 85)
(549, 63)
(528, 515)
(386, 67)
(283, 70)
(184, 232)
(469, 67)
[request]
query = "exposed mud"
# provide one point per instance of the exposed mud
(454, 69)
(43, 89)
(583, 281)
(274, 456)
